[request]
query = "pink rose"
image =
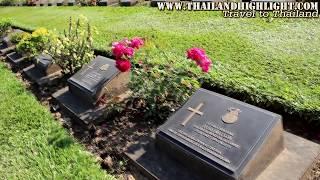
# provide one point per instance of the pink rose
(196, 54)
(123, 65)
(205, 64)
(128, 52)
(118, 50)
(136, 42)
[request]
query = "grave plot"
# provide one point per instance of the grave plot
(216, 136)
(43, 71)
(99, 81)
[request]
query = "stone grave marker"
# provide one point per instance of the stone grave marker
(99, 79)
(44, 2)
(128, 2)
(43, 71)
(60, 2)
(6, 44)
(51, 2)
(212, 135)
(107, 2)
(16, 59)
(71, 2)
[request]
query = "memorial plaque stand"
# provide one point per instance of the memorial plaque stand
(43, 71)
(17, 59)
(4, 49)
(293, 163)
(6, 45)
(100, 79)
(216, 136)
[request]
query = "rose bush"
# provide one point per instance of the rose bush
(158, 90)
(124, 51)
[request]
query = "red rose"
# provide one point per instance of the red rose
(123, 65)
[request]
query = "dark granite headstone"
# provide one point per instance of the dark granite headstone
(107, 2)
(44, 63)
(103, 3)
(90, 82)
(100, 78)
(16, 58)
(128, 2)
(295, 162)
(6, 49)
(6, 45)
(60, 3)
(43, 71)
(216, 136)
(71, 3)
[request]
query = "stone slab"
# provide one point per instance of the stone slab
(78, 108)
(293, 163)
(16, 59)
(39, 77)
(5, 50)
(209, 134)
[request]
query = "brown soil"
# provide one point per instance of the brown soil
(109, 139)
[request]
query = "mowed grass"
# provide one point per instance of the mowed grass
(275, 62)
(32, 144)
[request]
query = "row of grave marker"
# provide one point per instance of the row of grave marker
(210, 137)
(73, 3)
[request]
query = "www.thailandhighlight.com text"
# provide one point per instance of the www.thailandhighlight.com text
(247, 9)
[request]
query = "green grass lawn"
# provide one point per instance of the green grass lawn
(32, 144)
(273, 62)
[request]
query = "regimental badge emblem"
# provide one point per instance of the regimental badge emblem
(104, 67)
(231, 116)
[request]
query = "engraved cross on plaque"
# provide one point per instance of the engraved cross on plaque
(193, 112)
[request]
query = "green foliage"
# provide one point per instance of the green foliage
(5, 25)
(73, 49)
(35, 43)
(162, 88)
(16, 37)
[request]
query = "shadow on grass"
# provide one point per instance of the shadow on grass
(59, 139)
